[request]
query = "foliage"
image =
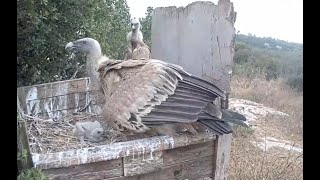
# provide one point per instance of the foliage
(22, 156)
(273, 43)
(271, 57)
(242, 54)
(44, 27)
(296, 82)
(146, 23)
(31, 174)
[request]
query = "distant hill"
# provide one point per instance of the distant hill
(268, 43)
(273, 57)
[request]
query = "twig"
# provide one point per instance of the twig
(80, 110)
(56, 136)
(35, 118)
(288, 164)
(67, 136)
(38, 143)
(76, 72)
(38, 130)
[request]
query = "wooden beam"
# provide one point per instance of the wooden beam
(23, 145)
(116, 150)
(195, 169)
(97, 170)
(222, 157)
(55, 99)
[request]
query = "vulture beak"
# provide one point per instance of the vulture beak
(69, 46)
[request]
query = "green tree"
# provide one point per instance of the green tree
(45, 26)
(146, 23)
(260, 55)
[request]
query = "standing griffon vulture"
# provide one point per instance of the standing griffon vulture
(137, 49)
(144, 93)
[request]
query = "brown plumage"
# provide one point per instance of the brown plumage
(143, 93)
(141, 52)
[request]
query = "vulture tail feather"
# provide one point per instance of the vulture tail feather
(217, 126)
(187, 87)
(190, 102)
(212, 127)
(191, 95)
(203, 115)
(197, 86)
(198, 98)
(170, 116)
(204, 84)
(231, 114)
(186, 109)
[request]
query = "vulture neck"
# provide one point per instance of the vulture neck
(92, 63)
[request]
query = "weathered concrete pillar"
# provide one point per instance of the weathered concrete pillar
(200, 38)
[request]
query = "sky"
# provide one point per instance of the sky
(281, 19)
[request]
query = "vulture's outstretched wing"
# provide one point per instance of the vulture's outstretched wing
(142, 93)
(133, 88)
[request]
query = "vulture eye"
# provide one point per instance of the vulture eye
(84, 42)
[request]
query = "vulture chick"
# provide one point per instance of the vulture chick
(142, 93)
(137, 49)
(92, 131)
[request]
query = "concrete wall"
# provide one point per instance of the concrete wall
(199, 37)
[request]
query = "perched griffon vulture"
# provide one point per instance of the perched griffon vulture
(144, 93)
(137, 49)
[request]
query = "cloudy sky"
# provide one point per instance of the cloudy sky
(280, 19)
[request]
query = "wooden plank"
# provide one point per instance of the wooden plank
(47, 106)
(225, 102)
(142, 163)
(187, 153)
(178, 156)
(70, 101)
(195, 169)
(60, 113)
(97, 170)
(30, 96)
(23, 145)
(222, 157)
(57, 88)
(116, 150)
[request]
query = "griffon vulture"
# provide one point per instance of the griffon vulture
(137, 49)
(144, 93)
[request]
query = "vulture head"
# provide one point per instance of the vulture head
(135, 25)
(88, 46)
(92, 50)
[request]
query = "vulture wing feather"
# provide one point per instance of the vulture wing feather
(152, 92)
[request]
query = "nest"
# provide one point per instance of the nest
(56, 135)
